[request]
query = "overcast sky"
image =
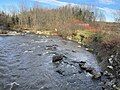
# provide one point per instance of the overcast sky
(108, 6)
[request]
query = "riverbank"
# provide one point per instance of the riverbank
(105, 45)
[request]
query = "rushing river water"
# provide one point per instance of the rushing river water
(27, 60)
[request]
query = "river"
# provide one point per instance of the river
(27, 60)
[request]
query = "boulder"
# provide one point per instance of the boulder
(39, 54)
(79, 46)
(14, 85)
(96, 74)
(89, 69)
(57, 58)
(74, 51)
(106, 73)
(110, 60)
(110, 67)
(83, 67)
(60, 72)
(82, 63)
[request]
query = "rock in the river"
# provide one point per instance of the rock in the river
(51, 47)
(96, 74)
(39, 54)
(13, 86)
(82, 63)
(92, 71)
(89, 69)
(83, 67)
(60, 72)
(57, 58)
(74, 51)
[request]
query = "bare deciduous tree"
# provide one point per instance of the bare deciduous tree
(117, 16)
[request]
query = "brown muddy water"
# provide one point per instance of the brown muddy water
(27, 60)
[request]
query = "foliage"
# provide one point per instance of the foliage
(41, 19)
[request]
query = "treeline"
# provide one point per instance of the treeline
(38, 18)
(4, 20)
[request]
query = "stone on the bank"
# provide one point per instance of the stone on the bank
(110, 67)
(106, 73)
(79, 46)
(112, 56)
(110, 83)
(110, 60)
(89, 49)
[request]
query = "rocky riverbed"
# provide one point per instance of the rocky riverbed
(32, 62)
